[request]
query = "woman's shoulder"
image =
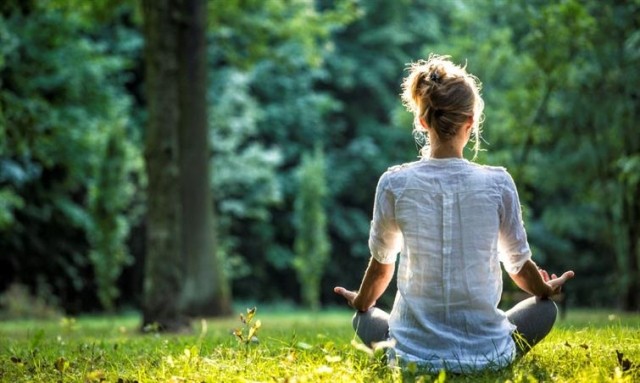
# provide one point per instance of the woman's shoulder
(402, 167)
(397, 175)
(401, 171)
(499, 174)
(492, 169)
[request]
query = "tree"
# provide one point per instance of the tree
(182, 274)
(163, 268)
(205, 291)
(312, 246)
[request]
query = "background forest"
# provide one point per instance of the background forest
(304, 115)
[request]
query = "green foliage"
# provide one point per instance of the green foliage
(311, 246)
(9, 202)
(66, 158)
(265, 112)
(109, 202)
(243, 169)
(560, 84)
(249, 31)
(295, 346)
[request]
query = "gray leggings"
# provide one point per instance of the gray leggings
(533, 317)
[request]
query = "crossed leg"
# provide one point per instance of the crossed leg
(533, 317)
(371, 326)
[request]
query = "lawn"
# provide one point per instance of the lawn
(291, 346)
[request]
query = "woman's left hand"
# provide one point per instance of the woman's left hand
(545, 275)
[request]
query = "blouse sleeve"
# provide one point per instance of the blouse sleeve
(512, 239)
(385, 238)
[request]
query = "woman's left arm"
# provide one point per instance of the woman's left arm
(385, 241)
(375, 281)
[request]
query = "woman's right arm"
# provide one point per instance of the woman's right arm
(537, 282)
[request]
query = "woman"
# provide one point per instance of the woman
(453, 222)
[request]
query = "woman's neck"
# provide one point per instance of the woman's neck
(446, 150)
(451, 148)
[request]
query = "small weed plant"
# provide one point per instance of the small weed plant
(294, 346)
(248, 333)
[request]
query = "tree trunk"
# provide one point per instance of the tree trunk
(163, 271)
(205, 289)
(183, 276)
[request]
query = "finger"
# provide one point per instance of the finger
(348, 295)
(553, 276)
(340, 291)
(562, 279)
(565, 276)
(568, 275)
(544, 274)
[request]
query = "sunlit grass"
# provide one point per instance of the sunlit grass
(294, 346)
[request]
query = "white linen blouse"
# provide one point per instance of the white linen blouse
(453, 222)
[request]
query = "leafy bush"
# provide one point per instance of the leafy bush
(18, 303)
(67, 163)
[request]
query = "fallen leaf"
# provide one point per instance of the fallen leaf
(625, 363)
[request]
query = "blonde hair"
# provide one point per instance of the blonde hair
(445, 96)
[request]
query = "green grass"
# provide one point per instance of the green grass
(294, 346)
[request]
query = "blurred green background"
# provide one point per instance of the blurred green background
(304, 92)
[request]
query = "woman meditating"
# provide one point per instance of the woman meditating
(452, 222)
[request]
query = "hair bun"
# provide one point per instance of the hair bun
(437, 74)
(442, 96)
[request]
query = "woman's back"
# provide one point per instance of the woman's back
(449, 278)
